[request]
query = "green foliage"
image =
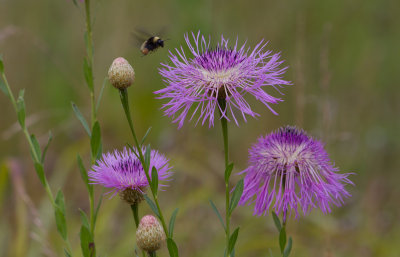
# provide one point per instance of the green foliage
(172, 223)
(40, 173)
(84, 174)
(47, 146)
(86, 242)
(36, 147)
(232, 240)
(237, 193)
(172, 248)
(288, 248)
(87, 71)
(95, 140)
(282, 239)
(60, 215)
(276, 221)
(228, 172)
(154, 181)
(147, 158)
(21, 108)
(152, 205)
(218, 214)
(145, 136)
(80, 117)
(1, 64)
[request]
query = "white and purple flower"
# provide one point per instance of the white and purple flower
(198, 84)
(288, 171)
(124, 174)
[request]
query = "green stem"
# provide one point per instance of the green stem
(36, 158)
(224, 125)
(152, 254)
(135, 212)
(125, 105)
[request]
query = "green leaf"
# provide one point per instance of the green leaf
(145, 136)
(36, 147)
(21, 108)
(133, 150)
(80, 117)
(154, 180)
(152, 205)
(95, 140)
(172, 248)
(60, 215)
(288, 248)
(84, 219)
(47, 146)
(101, 93)
(84, 174)
(75, 3)
(87, 71)
(147, 157)
(40, 172)
(228, 172)
(1, 64)
(3, 88)
(66, 253)
(237, 193)
(282, 239)
(276, 221)
(218, 214)
(97, 210)
(172, 223)
(232, 240)
(86, 241)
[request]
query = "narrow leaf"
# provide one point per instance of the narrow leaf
(3, 88)
(152, 205)
(47, 146)
(95, 139)
(228, 172)
(80, 117)
(276, 221)
(36, 147)
(97, 210)
(84, 219)
(282, 239)
(21, 108)
(1, 64)
(232, 240)
(87, 71)
(237, 194)
(145, 136)
(66, 253)
(75, 3)
(86, 240)
(154, 180)
(101, 93)
(218, 214)
(133, 150)
(60, 215)
(84, 174)
(147, 157)
(172, 223)
(288, 248)
(40, 172)
(172, 248)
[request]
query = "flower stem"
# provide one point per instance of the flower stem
(224, 125)
(125, 105)
(35, 157)
(135, 212)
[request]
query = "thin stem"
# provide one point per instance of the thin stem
(35, 156)
(125, 105)
(135, 212)
(152, 254)
(224, 125)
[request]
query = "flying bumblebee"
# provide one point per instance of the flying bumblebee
(151, 44)
(147, 42)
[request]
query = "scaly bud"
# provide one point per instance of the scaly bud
(149, 234)
(121, 73)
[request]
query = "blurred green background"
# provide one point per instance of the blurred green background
(343, 59)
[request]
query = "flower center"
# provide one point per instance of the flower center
(218, 78)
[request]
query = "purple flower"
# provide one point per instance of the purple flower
(222, 73)
(289, 171)
(124, 174)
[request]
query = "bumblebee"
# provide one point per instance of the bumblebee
(151, 44)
